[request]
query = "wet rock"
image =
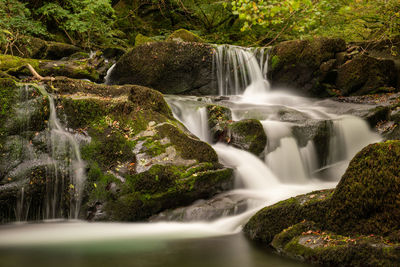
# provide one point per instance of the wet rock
(218, 120)
(395, 115)
(248, 135)
(272, 220)
(365, 75)
(245, 134)
(374, 115)
(297, 64)
(317, 131)
(169, 67)
(357, 205)
(205, 210)
(114, 52)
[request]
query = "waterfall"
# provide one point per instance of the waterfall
(67, 157)
(108, 74)
(61, 168)
(241, 70)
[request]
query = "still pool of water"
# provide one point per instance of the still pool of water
(219, 251)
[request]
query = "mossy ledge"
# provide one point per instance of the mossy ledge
(363, 211)
(140, 159)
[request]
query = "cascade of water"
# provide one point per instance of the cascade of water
(67, 158)
(286, 162)
(238, 70)
(107, 77)
(350, 134)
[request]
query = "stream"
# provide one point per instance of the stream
(290, 165)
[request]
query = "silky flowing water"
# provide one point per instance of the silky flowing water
(286, 168)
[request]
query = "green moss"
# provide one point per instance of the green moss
(274, 62)
(8, 94)
(271, 220)
(306, 242)
(166, 186)
(154, 147)
(368, 196)
(188, 147)
(107, 148)
(248, 135)
(183, 35)
(13, 64)
(83, 112)
(141, 39)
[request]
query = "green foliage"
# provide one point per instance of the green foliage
(82, 20)
(351, 19)
(16, 20)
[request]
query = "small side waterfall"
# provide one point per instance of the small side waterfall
(49, 174)
(67, 158)
(107, 77)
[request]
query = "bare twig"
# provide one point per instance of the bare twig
(37, 75)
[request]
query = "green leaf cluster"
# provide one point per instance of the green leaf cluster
(349, 19)
(81, 20)
(15, 20)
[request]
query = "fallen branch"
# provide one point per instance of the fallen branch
(37, 75)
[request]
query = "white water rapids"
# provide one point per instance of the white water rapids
(284, 170)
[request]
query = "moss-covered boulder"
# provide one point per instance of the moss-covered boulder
(356, 224)
(367, 198)
(305, 64)
(270, 221)
(169, 67)
(365, 75)
(141, 161)
(138, 159)
(86, 68)
(31, 47)
(183, 35)
(141, 39)
(248, 135)
(245, 134)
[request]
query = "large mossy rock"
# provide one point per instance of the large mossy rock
(365, 203)
(141, 161)
(365, 75)
(270, 221)
(169, 67)
(367, 198)
(304, 64)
